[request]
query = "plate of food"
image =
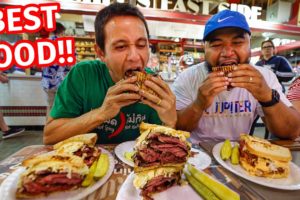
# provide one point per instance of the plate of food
(198, 158)
(263, 163)
(129, 192)
(124, 152)
(61, 175)
(161, 154)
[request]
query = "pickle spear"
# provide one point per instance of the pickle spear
(128, 155)
(235, 155)
(200, 188)
(102, 166)
(226, 150)
(220, 190)
(89, 178)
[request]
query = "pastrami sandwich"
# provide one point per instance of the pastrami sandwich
(157, 180)
(261, 158)
(80, 145)
(160, 155)
(142, 76)
(160, 146)
(226, 69)
(49, 173)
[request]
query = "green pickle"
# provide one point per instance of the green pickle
(128, 155)
(235, 155)
(226, 150)
(102, 166)
(217, 189)
(88, 180)
(201, 188)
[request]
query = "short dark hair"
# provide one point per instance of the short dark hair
(267, 41)
(59, 28)
(113, 10)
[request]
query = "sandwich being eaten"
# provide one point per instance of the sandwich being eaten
(142, 76)
(160, 155)
(226, 69)
(80, 145)
(49, 173)
(261, 158)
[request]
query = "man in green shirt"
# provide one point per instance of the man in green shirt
(95, 97)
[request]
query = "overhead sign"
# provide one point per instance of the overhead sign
(192, 6)
(251, 13)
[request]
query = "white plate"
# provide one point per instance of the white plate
(292, 182)
(9, 186)
(129, 192)
(122, 148)
(200, 160)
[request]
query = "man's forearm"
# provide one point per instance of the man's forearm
(59, 129)
(296, 105)
(282, 120)
(188, 118)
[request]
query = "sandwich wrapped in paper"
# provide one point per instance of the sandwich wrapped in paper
(80, 145)
(49, 173)
(261, 158)
(160, 155)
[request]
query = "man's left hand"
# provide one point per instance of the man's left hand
(3, 78)
(246, 76)
(164, 103)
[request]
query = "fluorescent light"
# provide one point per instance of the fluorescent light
(57, 16)
(267, 34)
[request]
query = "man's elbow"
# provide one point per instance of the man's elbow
(296, 133)
(47, 139)
(296, 130)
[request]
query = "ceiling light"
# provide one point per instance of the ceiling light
(57, 16)
(267, 34)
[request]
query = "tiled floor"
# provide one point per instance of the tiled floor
(11, 145)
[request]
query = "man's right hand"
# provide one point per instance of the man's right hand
(124, 93)
(215, 83)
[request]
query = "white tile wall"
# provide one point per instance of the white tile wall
(23, 91)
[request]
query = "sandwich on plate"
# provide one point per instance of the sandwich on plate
(80, 145)
(160, 155)
(48, 173)
(261, 158)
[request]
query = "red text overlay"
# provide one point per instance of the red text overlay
(40, 53)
